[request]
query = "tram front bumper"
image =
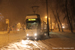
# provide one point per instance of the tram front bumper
(32, 37)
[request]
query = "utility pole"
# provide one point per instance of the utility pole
(47, 17)
(50, 23)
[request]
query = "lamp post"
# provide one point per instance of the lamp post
(47, 17)
(7, 22)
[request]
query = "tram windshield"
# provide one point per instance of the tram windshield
(32, 25)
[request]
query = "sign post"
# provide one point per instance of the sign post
(7, 22)
(47, 17)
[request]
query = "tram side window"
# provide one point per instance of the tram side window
(33, 25)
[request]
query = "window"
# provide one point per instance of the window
(32, 25)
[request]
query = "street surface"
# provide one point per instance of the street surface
(11, 37)
(57, 41)
(26, 45)
(60, 41)
(16, 41)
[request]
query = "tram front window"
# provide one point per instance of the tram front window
(32, 25)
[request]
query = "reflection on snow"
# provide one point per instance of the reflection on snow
(23, 45)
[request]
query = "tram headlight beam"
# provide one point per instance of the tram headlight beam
(35, 34)
(27, 34)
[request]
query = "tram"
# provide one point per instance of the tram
(33, 26)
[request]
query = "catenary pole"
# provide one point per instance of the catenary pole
(47, 17)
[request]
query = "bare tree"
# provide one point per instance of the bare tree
(59, 22)
(55, 16)
(67, 16)
(57, 12)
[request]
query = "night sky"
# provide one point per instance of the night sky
(16, 10)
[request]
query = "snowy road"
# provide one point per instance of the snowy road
(13, 41)
(56, 41)
(26, 45)
(11, 37)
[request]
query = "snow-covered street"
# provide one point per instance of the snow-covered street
(57, 40)
(26, 45)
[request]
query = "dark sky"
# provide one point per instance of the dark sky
(16, 10)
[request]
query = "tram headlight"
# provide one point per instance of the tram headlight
(35, 34)
(27, 34)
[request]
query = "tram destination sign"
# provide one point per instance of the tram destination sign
(31, 19)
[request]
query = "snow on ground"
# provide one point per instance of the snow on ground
(60, 41)
(26, 45)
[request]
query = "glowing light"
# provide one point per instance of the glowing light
(31, 19)
(63, 27)
(45, 16)
(24, 42)
(24, 45)
(35, 34)
(18, 29)
(27, 34)
(18, 23)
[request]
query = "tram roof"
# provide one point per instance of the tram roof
(32, 16)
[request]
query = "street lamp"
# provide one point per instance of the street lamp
(46, 17)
